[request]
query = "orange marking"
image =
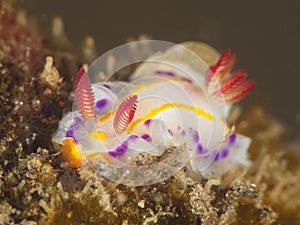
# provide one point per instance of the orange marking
(105, 118)
(71, 153)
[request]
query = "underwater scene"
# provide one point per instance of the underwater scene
(149, 113)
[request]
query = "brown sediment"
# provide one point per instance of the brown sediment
(36, 189)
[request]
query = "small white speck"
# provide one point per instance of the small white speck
(141, 204)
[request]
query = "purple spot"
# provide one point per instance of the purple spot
(120, 150)
(167, 73)
(77, 121)
(200, 149)
(147, 123)
(171, 74)
(73, 127)
(224, 153)
(217, 157)
(70, 133)
(102, 103)
(146, 137)
(132, 138)
(183, 133)
(232, 138)
(107, 86)
(170, 132)
(195, 136)
(186, 79)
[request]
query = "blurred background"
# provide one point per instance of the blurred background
(264, 35)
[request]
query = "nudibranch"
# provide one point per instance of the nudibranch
(116, 121)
